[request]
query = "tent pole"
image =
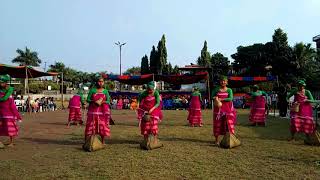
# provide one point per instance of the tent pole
(25, 81)
(209, 93)
(62, 98)
(274, 108)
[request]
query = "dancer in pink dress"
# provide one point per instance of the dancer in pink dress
(149, 102)
(8, 111)
(99, 111)
(224, 117)
(301, 120)
(258, 107)
(75, 104)
(195, 115)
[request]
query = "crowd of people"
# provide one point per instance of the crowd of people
(29, 104)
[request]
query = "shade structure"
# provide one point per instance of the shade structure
(172, 79)
(23, 71)
(239, 81)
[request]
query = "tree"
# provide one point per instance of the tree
(27, 58)
(204, 59)
(281, 57)
(145, 65)
(219, 63)
(250, 60)
(175, 70)
(57, 67)
(167, 69)
(69, 74)
(154, 63)
(133, 71)
(162, 53)
(304, 58)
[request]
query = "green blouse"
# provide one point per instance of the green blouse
(306, 93)
(197, 93)
(258, 93)
(144, 94)
(7, 92)
(94, 91)
(229, 91)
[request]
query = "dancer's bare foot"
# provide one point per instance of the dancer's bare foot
(291, 139)
(1, 145)
(10, 145)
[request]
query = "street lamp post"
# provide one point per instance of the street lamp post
(120, 48)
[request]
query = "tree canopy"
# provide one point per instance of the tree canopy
(27, 58)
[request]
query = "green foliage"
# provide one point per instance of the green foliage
(158, 58)
(145, 65)
(154, 63)
(250, 60)
(133, 71)
(219, 63)
(109, 85)
(281, 57)
(71, 75)
(175, 70)
(162, 54)
(306, 63)
(204, 59)
(27, 58)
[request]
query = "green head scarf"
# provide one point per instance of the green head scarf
(256, 86)
(302, 82)
(223, 78)
(4, 78)
(151, 85)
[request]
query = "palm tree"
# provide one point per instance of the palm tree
(57, 67)
(27, 58)
(304, 57)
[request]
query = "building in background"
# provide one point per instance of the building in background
(316, 39)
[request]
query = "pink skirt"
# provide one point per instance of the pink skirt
(302, 124)
(150, 127)
(8, 127)
(98, 124)
(195, 117)
(223, 124)
(257, 115)
(75, 115)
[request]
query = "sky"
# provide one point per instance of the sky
(82, 33)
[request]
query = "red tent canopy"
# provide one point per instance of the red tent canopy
(23, 71)
(172, 79)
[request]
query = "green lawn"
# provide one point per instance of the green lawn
(50, 151)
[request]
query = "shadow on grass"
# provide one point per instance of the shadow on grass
(121, 141)
(54, 141)
(55, 123)
(185, 140)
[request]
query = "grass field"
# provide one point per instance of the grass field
(46, 149)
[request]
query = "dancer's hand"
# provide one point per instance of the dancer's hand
(151, 110)
(99, 101)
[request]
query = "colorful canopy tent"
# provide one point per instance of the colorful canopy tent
(24, 72)
(172, 79)
(237, 81)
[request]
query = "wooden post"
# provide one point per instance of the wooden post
(209, 93)
(62, 97)
(25, 81)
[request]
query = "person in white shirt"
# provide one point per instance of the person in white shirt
(17, 102)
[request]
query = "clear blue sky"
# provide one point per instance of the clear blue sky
(81, 33)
